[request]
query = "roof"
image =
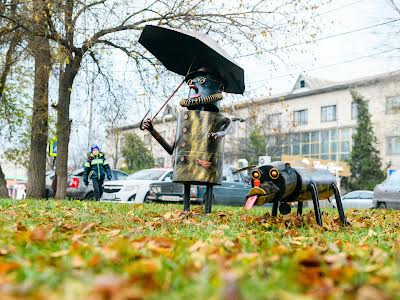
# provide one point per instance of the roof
(312, 83)
(329, 87)
(316, 86)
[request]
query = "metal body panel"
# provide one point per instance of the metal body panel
(323, 180)
(194, 150)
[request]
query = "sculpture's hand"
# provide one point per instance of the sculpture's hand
(147, 124)
(213, 135)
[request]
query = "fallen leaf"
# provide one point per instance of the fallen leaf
(39, 233)
(369, 293)
(6, 267)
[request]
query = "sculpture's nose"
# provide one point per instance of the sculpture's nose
(192, 86)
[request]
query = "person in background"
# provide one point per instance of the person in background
(96, 168)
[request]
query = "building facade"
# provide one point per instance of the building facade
(315, 120)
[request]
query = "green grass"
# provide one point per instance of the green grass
(89, 250)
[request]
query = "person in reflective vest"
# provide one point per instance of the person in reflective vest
(96, 168)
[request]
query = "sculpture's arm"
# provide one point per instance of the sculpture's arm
(147, 124)
(224, 130)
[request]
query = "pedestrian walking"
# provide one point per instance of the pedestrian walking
(96, 169)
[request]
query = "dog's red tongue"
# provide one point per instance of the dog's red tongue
(250, 202)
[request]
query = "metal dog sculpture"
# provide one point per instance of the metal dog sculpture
(278, 183)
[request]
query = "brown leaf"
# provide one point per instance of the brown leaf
(106, 287)
(94, 261)
(39, 233)
(77, 261)
(87, 227)
(369, 293)
(231, 289)
(7, 250)
(308, 258)
(20, 227)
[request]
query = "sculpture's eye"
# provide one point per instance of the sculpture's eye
(256, 175)
(273, 173)
(202, 80)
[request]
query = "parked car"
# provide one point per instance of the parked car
(232, 191)
(135, 188)
(387, 194)
(76, 188)
(49, 180)
(356, 199)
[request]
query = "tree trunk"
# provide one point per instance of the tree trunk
(64, 123)
(40, 113)
(3, 77)
(3, 185)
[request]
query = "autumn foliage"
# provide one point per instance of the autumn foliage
(87, 250)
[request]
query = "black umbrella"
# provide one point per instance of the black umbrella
(181, 51)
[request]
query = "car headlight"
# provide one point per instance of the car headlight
(131, 188)
(155, 189)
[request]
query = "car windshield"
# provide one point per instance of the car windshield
(147, 174)
(394, 179)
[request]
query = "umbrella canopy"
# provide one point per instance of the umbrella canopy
(180, 50)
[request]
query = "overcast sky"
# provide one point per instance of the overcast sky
(346, 56)
(338, 58)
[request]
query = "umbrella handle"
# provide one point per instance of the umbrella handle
(169, 98)
(141, 123)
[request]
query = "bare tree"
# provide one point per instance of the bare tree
(86, 29)
(10, 38)
(40, 48)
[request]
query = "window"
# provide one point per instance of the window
(354, 110)
(122, 142)
(120, 175)
(168, 177)
(393, 105)
(330, 144)
(274, 121)
(393, 145)
(302, 83)
(236, 177)
(328, 113)
(300, 117)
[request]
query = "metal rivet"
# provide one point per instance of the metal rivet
(186, 116)
(184, 129)
(182, 158)
(183, 145)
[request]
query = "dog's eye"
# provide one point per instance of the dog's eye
(273, 173)
(256, 175)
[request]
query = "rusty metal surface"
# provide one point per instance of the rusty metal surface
(198, 159)
(323, 180)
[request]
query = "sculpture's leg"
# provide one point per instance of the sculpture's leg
(299, 208)
(186, 197)
(315, 198)
(339, 204)
(209, 198)
(275, 206)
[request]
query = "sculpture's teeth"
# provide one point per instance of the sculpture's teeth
(250, 202)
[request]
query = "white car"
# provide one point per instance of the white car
(357, 199)
(135, 187)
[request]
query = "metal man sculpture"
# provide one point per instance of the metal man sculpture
(198, 147)
(278, 183)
